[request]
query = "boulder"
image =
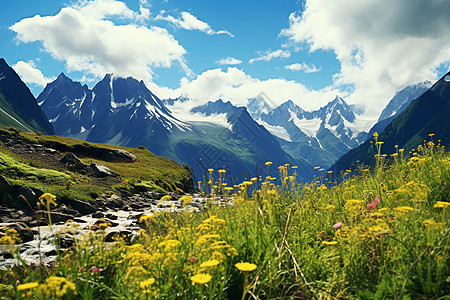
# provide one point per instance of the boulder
(117, 155)
(70, 159)
(56, 217)
(5, 186)
(112, 217)
(25, 232)
(66, 240)
(68, 211)
(83, 207)
(101, 171)
(26, 198)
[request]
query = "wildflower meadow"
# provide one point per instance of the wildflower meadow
(379, 233)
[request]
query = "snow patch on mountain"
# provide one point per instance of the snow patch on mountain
(118, 105)
(277, 131)
(182, 111)
(308, 126)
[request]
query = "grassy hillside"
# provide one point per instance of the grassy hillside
(428, 114)
(380, 235)
(151, 171)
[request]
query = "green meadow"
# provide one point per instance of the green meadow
(380, 233)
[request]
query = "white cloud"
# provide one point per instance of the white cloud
(302, 67)
(382, 45)
(269, 55)
(229, 61)
(87, 41)
(190, 22)
(237, 86)
(30, 74)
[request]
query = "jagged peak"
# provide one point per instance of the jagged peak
(3, 62)
(339, 100)
(63, 77)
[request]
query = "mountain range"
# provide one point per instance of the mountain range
(218, 134)
(319, 136)
(122, 111)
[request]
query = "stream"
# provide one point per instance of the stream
(42, 248)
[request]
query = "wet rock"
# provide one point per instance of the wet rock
(81, 206)
(118, 235)
(6, 211)
(102, 224)
(66, 240)
(112, 217)
(68, 211)
(56, 217)
(101, 171)
(25, 232)
(152, 195)
(98, 215)
(51, 253)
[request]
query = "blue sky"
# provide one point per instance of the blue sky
(308, 51)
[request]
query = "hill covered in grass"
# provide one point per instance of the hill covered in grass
(382, 234)
(35, 160)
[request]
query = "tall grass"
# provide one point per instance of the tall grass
(379, 234)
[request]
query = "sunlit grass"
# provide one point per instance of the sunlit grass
(148, 173)
(381, 233)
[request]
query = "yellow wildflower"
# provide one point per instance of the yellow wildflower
(47, 200)
(210, 263)
(57, 286)
(404, 208)
(146, 283)
(27, 286)
(441, 204)
(245, 267)
(201, 278)
(326, 243)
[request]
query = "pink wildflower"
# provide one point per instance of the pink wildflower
(337, 225)
(193, 259)
(371, 205)
(95, 270)
(377, 200)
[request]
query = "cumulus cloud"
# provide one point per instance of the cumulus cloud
(190, 22)
(30, 74)
(302, 67)
(89, 42)
(382, 45)
(237, 86)
(229, 61)
(269, 55)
